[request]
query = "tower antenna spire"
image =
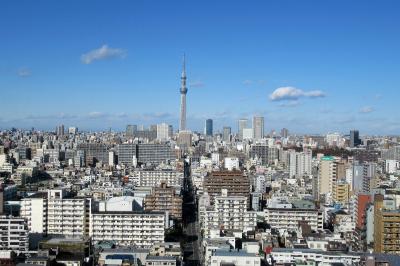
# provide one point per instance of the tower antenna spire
(184, 65)
(183, 92)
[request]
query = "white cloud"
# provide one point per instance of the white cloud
(367, 109)
(247, 82)
(314, 94)
(104, 52)
(24, 72)
(293, 94)
(95, 115)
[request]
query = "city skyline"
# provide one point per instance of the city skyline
(289, 63)
(257, 133)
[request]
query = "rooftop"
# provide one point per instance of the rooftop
(233, 253)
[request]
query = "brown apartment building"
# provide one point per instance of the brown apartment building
(234, 181)
(162, 199)
(386, 228)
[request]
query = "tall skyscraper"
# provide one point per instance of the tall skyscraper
(226, 134)
(60, 130)
(354, 138)
(284, 133)
(327, 178)
(130, 130)
(208, 128)
(258, 127)
(164, 131)
(182, 122)
(242, 124)
(184, 140)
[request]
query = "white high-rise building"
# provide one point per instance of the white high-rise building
(327, 177)
(258, 127)
(67, 216)
(164, 131)
(111, 158)
(14, 234)
(137, 229)
(247, 133)
(334, 139)
(300, 163)
(289, 218)
(259, 184)
(230, 212)
(154, 178)
(392, 166)
(242, 124)
(34, 210)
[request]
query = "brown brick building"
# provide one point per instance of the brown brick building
(163, 198)
(234, 181)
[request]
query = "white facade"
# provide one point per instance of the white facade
(231, 163)
(288, 219)
(230, 212)
(287, 255)
(67, 216)
(258, 127)
(123, 203)
(247, 133)
(155, 178)
(215, 158)
(370, 224)
(222, 257)
(300, 163)
(164, 131)
(111, 158)
(334, 139)
(259, 184)
(139, 230)
(14, 234)
(392, 166)
(34, 210)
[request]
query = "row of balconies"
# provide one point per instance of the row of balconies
(141, 223)
(144, 238)
(144, 228)
(125, 230)
(62, 210)
(136, 228)
(125, 234)
(137, 219)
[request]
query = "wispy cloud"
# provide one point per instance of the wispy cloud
(50, 116)
(104, 52)
(24, 72)
(196, 84)
(247, 82)
(367, 109)
(96, 115)
(293, 94)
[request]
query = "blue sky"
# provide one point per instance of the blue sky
(310, 66)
